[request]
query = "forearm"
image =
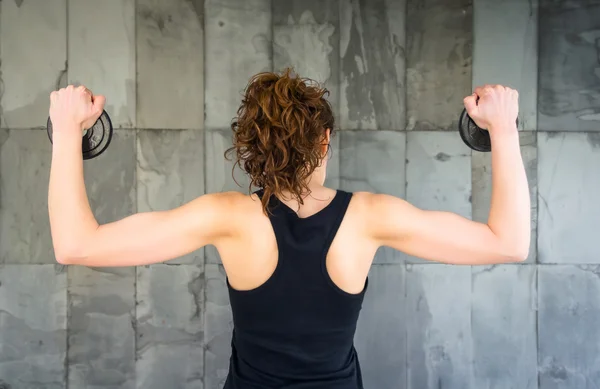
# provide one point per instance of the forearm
(71, 218)
(510, 214)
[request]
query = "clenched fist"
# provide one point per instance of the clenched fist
(74, 109)
(494, 107)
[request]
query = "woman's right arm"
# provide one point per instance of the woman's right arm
(151, 237)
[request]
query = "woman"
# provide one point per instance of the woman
(296, 253)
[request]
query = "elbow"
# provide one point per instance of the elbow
(517, 254)
(518, 257)
(512, 248)
(73, 250)
(65, 259)
(68, 255)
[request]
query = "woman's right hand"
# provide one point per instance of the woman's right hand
(494, 108)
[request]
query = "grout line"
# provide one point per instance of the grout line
(537, 200)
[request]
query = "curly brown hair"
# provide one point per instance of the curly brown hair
(279, 133)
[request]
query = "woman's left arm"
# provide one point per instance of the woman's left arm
(139, 239)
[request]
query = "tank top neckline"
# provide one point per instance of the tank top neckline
(294, 214)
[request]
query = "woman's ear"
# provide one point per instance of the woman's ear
(326, 141)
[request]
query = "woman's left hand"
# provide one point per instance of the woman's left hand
(74, 109)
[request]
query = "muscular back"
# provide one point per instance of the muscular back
(250, 253)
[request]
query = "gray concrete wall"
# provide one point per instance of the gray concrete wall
(398, 70)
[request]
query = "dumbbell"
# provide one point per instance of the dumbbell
(474, 136)
(96, 139)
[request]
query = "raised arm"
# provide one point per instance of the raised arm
(142, 238)
(450, 238)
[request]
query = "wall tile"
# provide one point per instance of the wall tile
(505, 51)
(440, 346)
(482, 185)
(373, 72)
(33, 54)
(569, 80)
(24, 174)
(333, 163)
(439, 55)
(218, 169)
(110, 179)
(218, 328)
(568, 202)
(373, 162)
(568, 333)
(103, 58)
(170, 64)
(306, 36)
(381, 334)
(170, 173)
(438, 172)
(170, 326)
(238, 45)
(504, 327)
(101, 326)
(33, 323)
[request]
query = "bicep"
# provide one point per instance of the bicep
(437, 235)
(153, 237)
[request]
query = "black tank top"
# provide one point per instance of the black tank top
(296, 330)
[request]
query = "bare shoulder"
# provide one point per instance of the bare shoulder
(239, 223)
(232, 209)
(375, 204)
(378, 212)
(230, 203)
(240, 203)
(215, 212)
(360, 203)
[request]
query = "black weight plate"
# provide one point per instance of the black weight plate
(96, 139)
(473, 136)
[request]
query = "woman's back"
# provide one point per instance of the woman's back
(295, 329)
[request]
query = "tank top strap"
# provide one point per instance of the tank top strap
(339, 206)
